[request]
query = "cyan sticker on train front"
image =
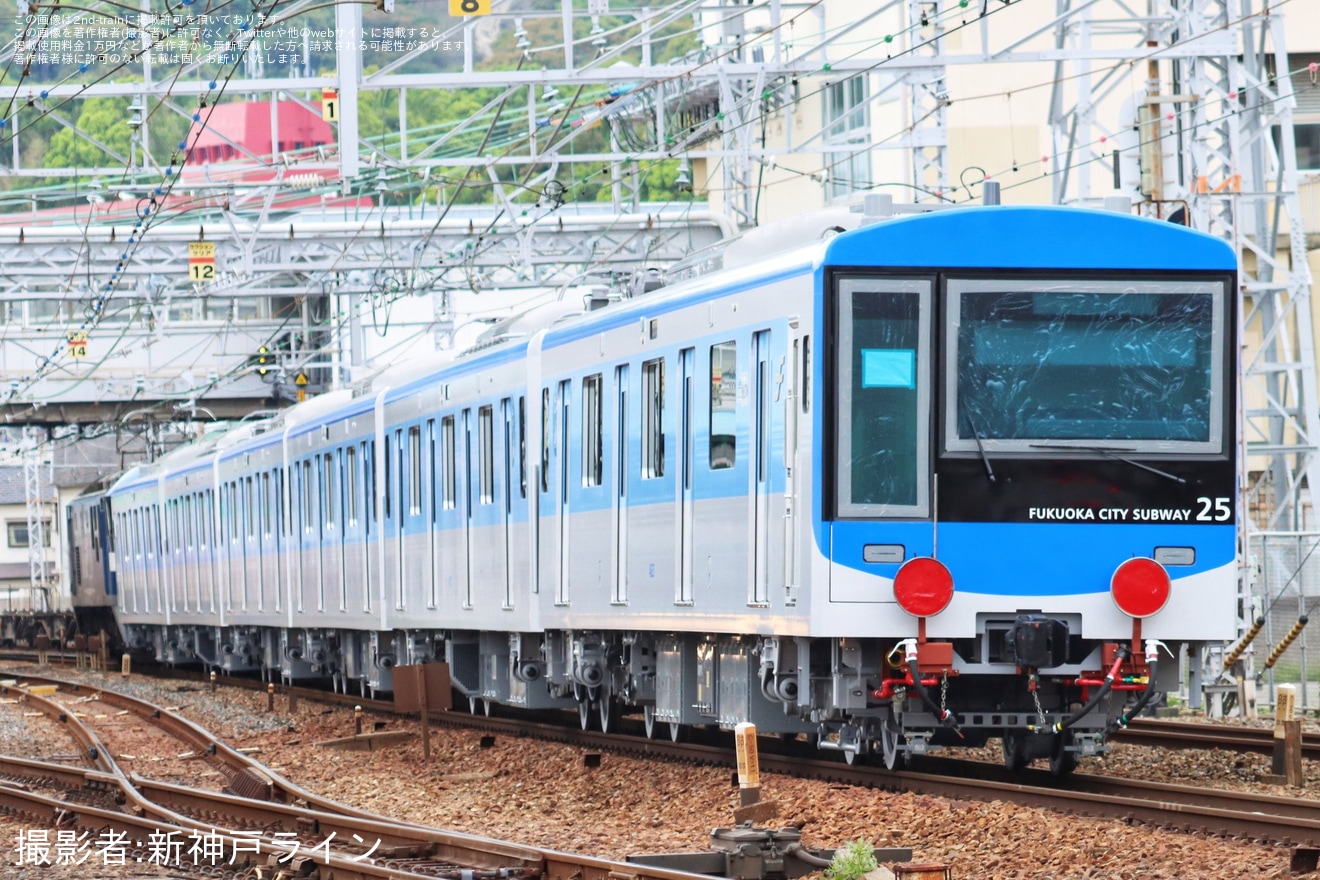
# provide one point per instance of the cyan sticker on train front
(889, 368)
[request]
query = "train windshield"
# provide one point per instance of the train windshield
(1137, 366)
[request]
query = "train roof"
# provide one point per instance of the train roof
(1043, 237)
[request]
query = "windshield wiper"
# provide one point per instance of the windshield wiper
(1112, 452)
(980, 447)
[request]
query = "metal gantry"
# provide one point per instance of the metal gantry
(34, 451)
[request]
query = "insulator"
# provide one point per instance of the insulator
(1233, 655)
(1287, 640)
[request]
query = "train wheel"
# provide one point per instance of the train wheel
(584, 714)
(488, 706)
(1062, 761)
(675, 731)
(890, 742)
(1015, 753)
(648, 720)
(605, 708)
(472, 705)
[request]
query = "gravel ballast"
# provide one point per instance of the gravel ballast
(541, 793)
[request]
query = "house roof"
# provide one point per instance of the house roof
(13, 489)
(247, 123)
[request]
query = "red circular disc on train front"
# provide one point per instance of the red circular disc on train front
(923, 586)
(1140, 587)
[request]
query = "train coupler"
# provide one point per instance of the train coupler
(746, 852)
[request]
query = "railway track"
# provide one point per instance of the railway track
(1200, 735)
(1261, 817)
(281, 824)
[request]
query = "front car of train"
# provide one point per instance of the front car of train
(1026, 474)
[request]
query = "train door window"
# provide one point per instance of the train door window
(565, 410)
(522, 446)
(331, 498)
(592, 429)
(723, 405)
(806, 374)
(506, 424)
(448, 456)
(94, 520)
(881, 423)
(369, 482)
(309, 496)
(351, 485)
(653, 412)
(621, 428)
(251, 510)
(414, 470)
(431, 465)
(545, 439)
(486, 431)
(188, 528)
(234, 531)
(388, 474)
(267, 503)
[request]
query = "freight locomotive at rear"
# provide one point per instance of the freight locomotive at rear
(946, 476)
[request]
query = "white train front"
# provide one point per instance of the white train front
(946, 476)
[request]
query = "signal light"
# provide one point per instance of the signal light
(263, 360)
(923, 586)
(1140, 586)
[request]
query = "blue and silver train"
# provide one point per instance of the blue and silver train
(941, 477)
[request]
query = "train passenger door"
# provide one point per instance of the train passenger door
(796, 387)
(619, 499)
(879, 359)
(467, 508)
(759, 594)
(413, 565)
(686, 366)
(432, 513)
(332, 529)
(561, 594)
(506, 419)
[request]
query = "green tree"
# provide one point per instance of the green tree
(100, 121)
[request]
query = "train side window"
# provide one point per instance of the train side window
(486, 427)
(414, 470)
(723, 405)
(351, 484)
(448, 455)
(806, 374)
(653, 412)
(545, 439)
(592, 429)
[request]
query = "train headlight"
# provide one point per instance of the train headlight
(1140, 587)
(923, 586)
